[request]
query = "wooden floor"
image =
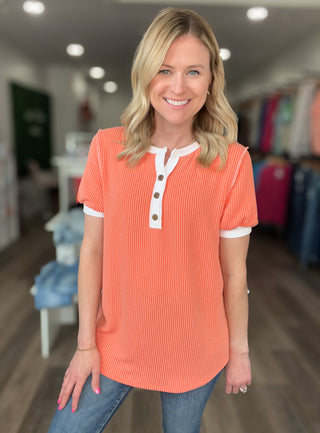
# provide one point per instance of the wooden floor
(284, 336)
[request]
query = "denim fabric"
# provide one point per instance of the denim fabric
(310, 248)
(70, 228)
(257, 168)
(302, 178)
(55, 285)
(181, 413)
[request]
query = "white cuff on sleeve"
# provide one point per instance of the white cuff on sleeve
(87, 210)
(235, 233)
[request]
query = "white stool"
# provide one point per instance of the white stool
(51, 319)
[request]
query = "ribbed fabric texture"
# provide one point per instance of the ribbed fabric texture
(161, 323)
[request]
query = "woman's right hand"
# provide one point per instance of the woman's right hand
(81, 366)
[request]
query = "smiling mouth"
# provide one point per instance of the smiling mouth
(176, 103)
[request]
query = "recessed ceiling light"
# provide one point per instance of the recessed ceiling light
(75, 50)
(33, 7)
(225, 54)
(110, 87)
(257, 13)
(97, 72)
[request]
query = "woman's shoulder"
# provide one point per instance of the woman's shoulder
(236, 153)
(114, 134)
(236, 148)
(109, 140)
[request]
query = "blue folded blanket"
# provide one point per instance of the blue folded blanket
(70, 228)
(55, 285)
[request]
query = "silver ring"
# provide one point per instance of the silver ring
(244, 390)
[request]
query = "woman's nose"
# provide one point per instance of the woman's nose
(179, 83)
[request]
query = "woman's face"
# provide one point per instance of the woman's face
(179, 89)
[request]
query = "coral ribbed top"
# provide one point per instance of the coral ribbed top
(161, 323)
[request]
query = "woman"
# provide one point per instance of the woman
(169, 204)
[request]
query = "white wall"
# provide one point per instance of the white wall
(292, 66)
(15, 66)
(113, 105)
(67, 86)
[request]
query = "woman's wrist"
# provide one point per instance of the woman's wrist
(86, 349)
(85, 341)
(238, 349)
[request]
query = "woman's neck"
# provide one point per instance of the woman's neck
(173, 139)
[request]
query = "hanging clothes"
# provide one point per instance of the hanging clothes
(300, 129)
(261, 122)
(253, 113)
(268, 127)
(310, 248)
(301, 179)
(272, 192)
(315, 124)
(282, 124)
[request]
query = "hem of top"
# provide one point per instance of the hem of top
(136, 384)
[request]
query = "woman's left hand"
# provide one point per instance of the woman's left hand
(238, 373)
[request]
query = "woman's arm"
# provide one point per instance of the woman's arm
(233, 255)
(86, 362)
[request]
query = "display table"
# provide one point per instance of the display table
(68, 167)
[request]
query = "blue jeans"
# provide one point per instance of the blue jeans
(181, 413)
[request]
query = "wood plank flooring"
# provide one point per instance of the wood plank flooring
(284, 337)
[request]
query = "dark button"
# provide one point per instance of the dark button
(160, 177)
(156, 195)
(155, 217)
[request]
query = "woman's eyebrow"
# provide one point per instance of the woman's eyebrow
(196, 66)
(190, 66)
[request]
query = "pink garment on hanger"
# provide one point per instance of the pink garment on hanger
(268, 127)
(315, 124)
(273, 194)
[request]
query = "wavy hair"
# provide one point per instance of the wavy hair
(214, 126)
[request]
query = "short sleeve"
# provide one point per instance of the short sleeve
(90, 191)
(240, 208)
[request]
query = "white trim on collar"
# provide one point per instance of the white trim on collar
(182, 151)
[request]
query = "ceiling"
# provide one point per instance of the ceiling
(110, 31)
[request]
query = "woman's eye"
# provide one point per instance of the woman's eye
(193, 72)
(164, 71)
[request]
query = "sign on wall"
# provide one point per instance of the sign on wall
(32, 126)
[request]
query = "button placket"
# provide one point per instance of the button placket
(155, 215)
(162, 172)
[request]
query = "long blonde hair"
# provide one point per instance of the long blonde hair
(214, 126)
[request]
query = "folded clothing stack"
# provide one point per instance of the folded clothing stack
(56, 285)
(68, 235)
(70, 227)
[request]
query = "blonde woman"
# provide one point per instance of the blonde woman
(169, 205)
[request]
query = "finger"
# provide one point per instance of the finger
(76, 395)
(95, 382)
(67, 389)
(235, 389)
(228, 388)
(62, 389)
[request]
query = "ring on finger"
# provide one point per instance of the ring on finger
(244, 389)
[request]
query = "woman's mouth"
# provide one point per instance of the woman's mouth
(177, 103)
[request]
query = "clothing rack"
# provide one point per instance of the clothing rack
(295, 189)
